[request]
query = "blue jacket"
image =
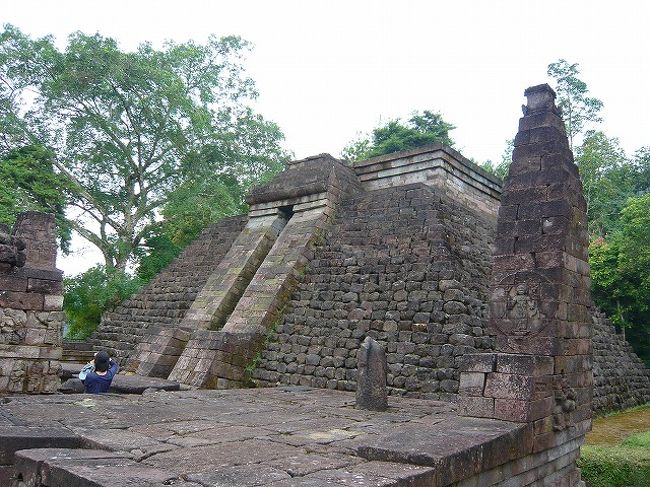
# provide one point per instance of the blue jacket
(95, 384)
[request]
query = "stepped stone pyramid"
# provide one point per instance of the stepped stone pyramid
(396, 247)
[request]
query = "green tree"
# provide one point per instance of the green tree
(421, 129)
(28, 183)
(93, 292)
(127, 129)
(607, 179)
(641, 163)
(620, 270)
(578, 109)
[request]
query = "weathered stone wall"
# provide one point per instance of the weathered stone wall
(31, 297)
(621, 379)
(166, 299)
(403, 265)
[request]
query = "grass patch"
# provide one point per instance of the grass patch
(640, 440)
(612, 429)
(617, 453)
(617, 466)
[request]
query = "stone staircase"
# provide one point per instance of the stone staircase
(166, 299)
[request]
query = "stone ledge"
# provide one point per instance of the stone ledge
(457, 449)
(30, 352)
(15, 438)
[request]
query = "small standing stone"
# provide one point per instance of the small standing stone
(371, 376)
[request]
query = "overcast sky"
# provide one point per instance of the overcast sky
(326, 70)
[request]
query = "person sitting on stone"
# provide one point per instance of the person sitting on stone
(98, 374)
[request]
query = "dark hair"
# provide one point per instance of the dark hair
(101, 361)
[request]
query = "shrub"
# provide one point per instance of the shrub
(88, 295)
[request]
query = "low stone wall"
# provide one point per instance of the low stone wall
(31, 297)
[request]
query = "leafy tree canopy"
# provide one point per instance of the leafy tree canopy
(607, 178)
(130, 131)
(91, 293)
(620, 270)
(421, 129)
(578, 109)
(28, 183)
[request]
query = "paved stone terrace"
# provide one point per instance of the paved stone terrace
(277, 437)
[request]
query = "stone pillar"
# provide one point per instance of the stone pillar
(372, 370)
(31, 298)
(540, 304)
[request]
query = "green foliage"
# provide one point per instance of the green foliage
(617, 466)
(639, 440)
(90, 294)
(196, 203)
(641, 163)
(578, 109)
(28, 183)
(421, 129)
(607, 179)
(128, 129)
(620, 271)
(156, 254)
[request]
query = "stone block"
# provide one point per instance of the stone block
(12, 283)
(471, 383)
(523, 411)
(478, 407)
(529, 365)
(477, 362)
(21, 300)
(52, 302)
(44, 286)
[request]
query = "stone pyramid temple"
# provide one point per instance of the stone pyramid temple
(413, 274)
(397, 247)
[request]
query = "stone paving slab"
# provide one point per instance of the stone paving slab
(278, 437)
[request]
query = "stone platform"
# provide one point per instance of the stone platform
(277, 437)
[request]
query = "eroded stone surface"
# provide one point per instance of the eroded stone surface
(293, 436)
